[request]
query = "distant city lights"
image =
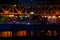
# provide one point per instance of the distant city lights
(14, 5)
(11, 15)
(6, 12)
(58, 16)
(31, 12)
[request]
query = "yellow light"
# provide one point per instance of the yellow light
(19, 12)
(49, 16)
(45, 16)
(31, 12)
(11, 15)
(53, 16)
(49, 33)
(14, 5)
(42, 16)
(58, 16)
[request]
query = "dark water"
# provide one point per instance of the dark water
(29, 27)
(35, 28)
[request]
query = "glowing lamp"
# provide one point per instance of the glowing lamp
(58, 16)
(11, 15)
(42, 16)
(16, 16)
(54, 16)
(45, 16)
(6, 12)
(14, 5)
(49, 16)
(19, 12)
(31, 12)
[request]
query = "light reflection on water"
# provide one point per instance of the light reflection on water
(29, 33)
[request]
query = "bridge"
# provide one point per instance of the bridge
(19, 9)
(16, 9)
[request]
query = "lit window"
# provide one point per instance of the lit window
(21, 33)
(58, 16)
(45, 16)
(14, 5)
(54, 16)
(11, 15)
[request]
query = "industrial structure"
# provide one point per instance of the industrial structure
(28, 25)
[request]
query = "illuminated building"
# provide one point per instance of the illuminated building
(24, 25)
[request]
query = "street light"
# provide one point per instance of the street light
(31, 12)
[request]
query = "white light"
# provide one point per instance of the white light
(54, 16)
(16, 16)
(26, 16)
(45, 16)
(58, 16)
(31, 12)
(14, 5)
(20, 16)
(28, 23)
(11, 15)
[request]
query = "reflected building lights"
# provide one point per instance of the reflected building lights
(12, 17)
(28, 33)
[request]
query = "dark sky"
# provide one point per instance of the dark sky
(29, 1)
(8, 1)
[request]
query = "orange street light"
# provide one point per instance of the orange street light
(6, 12)
(19, 12)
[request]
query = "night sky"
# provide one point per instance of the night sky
(29, 1)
